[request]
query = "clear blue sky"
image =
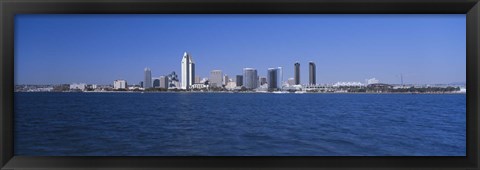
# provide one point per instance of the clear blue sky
(52, 49)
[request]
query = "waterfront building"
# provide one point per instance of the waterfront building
(239, 80)
(204, 80)
(141, 83)
(225, 80)
(348, 84)
(199, 86)
(297, 73)
(119, 84)
(273, 77)
(379, 87)
(280, 77)
(163, 82)
(250, 78)
(372, 81)
(197, 79)
(291, 81)
(188, 71)
(147, 82)
(156, 83)
(312, 73)
(231, 85)
(216, 78)
(173, 81)
(78, 86)
(262, 80)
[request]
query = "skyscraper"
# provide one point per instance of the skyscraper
(272, 78)
(250, 78)
(188, 71)
(215, 78)
(239, 80)
(297, 73)
(163, 82)
(280, 77)
(312, 73)
(225, 80)
(147, 82)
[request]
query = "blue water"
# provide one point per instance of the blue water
(155, 124)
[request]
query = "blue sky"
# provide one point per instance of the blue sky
(52, 49)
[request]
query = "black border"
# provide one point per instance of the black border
(9, 8)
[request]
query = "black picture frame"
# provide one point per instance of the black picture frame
(9, 8)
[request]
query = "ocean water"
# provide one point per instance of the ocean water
(219, 124)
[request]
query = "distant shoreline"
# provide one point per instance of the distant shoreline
(183, 92)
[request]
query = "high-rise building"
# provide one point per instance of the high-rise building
(188, 71)
(297, 73)
(120, 84)
(239, 80)
(147, 82)
(156, 83)
(141, 83)
(225, 80)
(280, 77)
(163, 82)
(216, 78)
(250, 78)
(262, 80)
(272, 78)
(312, 73)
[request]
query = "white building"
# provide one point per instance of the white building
(225, 80)
(119, 84)
(78, 86)
(291, 81)
(231, 85)
(199, 86)
(204, 80)
(372, 81)
(348, 84)
(188, 71)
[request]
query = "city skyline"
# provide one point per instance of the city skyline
(441, 63)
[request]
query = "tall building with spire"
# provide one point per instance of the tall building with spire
(312, 73)
(188, 71)
(147, 82)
